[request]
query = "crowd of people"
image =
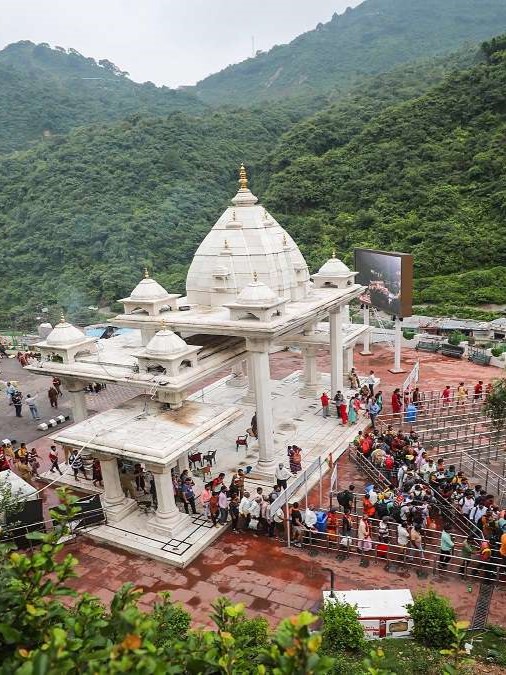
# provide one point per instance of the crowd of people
(420, 492)
(362, 399)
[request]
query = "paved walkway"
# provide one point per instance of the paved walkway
(271, 580)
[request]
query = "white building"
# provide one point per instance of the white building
(248, 292)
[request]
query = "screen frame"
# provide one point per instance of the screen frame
(407, 269)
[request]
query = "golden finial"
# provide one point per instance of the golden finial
(226, 244)
(164, 323)
(333, 252)
(255, 277)
(243, 178)
(62, 317)
(146, 273)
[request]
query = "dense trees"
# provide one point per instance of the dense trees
(412, 160)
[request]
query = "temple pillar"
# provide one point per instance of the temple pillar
(77, 393)
(336, 351)
(250, 394)
(183, 463)
(348, 360)
(310, 375)
(168, 519)
(238, 378)
(265, 423)
(366, 351)
(116, 505)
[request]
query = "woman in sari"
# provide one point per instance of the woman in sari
(352, 413)
(343, 412)
(295, 457)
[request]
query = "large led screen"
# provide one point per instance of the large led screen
(388, 278)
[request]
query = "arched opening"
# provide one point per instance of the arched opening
(185, 364)
(156, 369)
(248, 316)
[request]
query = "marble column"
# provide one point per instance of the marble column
(366, 351)
(183, 463)
(250, 394)
(397, 348)
(116, 505)
(168, 519)
(77, 395)
(310, 375)
(336, 351)
(238, 378)
(263, 400)
(347, 361)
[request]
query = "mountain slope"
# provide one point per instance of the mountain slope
(371, 38)
(82, 214)
(427, 176)
(48, 91)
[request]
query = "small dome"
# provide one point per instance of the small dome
(148, 289)
(334, 268)
(165, 343)
(64, 334)
(256, 293)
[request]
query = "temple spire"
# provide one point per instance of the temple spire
(146, 273)
(62, 317)
(255, 277)
(243, 178)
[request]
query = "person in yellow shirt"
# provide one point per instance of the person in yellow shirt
(502, 549)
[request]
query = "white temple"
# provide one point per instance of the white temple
(248, 292)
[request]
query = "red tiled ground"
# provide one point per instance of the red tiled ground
(271, 580)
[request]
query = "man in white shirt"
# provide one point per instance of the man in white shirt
(373, 495)
(223, 504)
(282, 474)
(244, 510)
(370, 381)
(310, 518)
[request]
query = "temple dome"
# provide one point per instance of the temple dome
(64, 334)
(334, 268)
(166, 343)
(147, 290)
(256, 293)
(260, 244)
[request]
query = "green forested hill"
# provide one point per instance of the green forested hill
(82, 215)
(371, 38)
(413, 160)
(427, 176)
(46, 91)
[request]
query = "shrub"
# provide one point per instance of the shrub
(173, 621)
(433, 617)
(408, 333)
(456, 338)
(341, 629)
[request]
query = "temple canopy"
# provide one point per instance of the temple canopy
(246, 239)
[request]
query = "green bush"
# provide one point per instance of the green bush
(433, 617)
(456, 338)
(173, 622)
(341, 629)
(408, 333)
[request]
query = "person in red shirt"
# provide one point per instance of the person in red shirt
(478, 391)
(446, 394)
(325, 403)
(396, 401)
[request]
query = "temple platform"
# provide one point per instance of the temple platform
(297, 420)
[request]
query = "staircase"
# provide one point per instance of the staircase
(482, 606)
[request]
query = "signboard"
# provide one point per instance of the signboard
(382, 613)
(388, 278)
